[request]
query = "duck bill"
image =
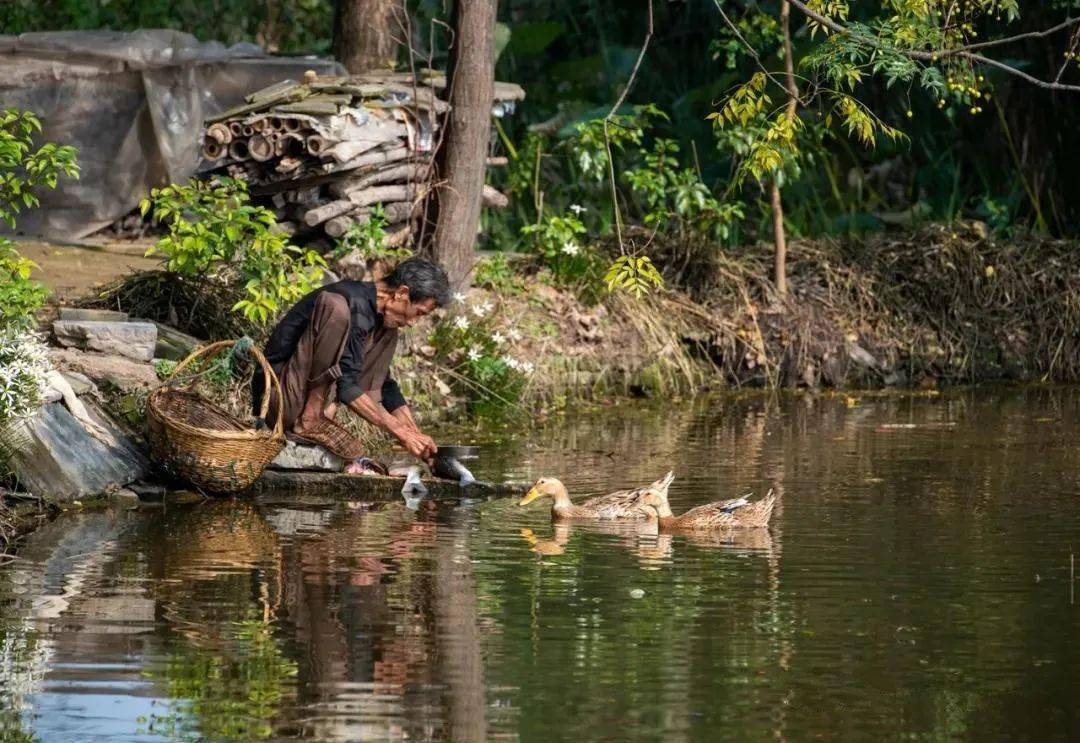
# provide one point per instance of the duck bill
(529, 497)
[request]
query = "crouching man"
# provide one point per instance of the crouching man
(335, 346)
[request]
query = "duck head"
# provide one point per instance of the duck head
(546, 487)
(655, 505)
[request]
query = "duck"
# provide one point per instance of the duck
(620, 505)
(736, 513)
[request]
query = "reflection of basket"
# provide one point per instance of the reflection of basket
(201, 442)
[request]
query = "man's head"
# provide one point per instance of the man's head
(413, 289)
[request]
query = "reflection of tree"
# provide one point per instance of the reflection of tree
(231, 689)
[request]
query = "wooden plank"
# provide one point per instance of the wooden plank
(373, 487)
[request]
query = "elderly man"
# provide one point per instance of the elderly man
(335, 347)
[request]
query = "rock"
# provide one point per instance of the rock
(121, 372)
(148, 491)
(81, 384)
(312, 458)
(79, 313)
(861, 356)
(173, 344)
(54, 457)
(124, 498)
(53, 395)
(136, 340)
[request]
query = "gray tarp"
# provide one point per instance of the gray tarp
(133, 104)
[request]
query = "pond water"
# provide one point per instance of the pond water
(916, 583)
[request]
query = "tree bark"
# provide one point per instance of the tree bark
(779, 234)
(364, 33)
(470, 80)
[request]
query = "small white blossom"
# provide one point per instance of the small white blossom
(459, 297)
(498, 338)
(578, 209)
(475, 353)
(514, 334)
(511, 362)
(570, 248)
(527, 367)
(461, 323)
(481, 310)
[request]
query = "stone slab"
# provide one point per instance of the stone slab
(118, 371)
(135, 340)
(54, 457)
(81, 314)
(312, 458)
(373, 487)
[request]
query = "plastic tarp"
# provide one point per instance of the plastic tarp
(133, 104)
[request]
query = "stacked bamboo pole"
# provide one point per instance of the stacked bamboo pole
(325, 152)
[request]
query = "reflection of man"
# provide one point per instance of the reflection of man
(335, 346)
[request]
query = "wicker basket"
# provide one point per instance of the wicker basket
(202, 443)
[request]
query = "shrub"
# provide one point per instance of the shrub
(23, 365)
(368, 239)
(23, 169)
(496, 273)
(483, 370)
(215, 233)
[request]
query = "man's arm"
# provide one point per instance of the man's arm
(402, 427)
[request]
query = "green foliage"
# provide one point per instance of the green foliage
(595, 138)
(24, 168)
(20, 296)
(496, 273)
(560, 241)
(636, 275)
(368, 239)
(676, 198)
(215, 233)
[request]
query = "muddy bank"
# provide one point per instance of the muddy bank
(940, 306)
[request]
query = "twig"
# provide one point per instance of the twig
(610, 116)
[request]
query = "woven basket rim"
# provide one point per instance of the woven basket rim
(248, 434)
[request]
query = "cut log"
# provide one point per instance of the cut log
(497, 162)
(493, 198)
(338, 226)
(219, 132)
(375, 157)
(260, 148)
(238, 150)
(407, 173)
(316, 145)
(334, 209)
(383, 194)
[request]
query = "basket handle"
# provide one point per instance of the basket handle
(273, 386)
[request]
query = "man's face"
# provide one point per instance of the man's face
(401, 312)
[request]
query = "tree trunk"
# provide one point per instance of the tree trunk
(779, 235)
(364, 33)
(470, 80)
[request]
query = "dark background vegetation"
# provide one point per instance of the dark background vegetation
(1010, 165)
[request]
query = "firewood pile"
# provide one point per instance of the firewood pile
(325, 152)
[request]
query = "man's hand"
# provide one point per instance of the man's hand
(420, 445)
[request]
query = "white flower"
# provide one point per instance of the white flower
(527, 367)
(570, 248)
(578, 209)
(482, 309)
(475, 353)
(459, 297)
(461, 323)
(498, 338)
(514, 334)
(511, 362)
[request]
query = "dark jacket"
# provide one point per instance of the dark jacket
(364, 321)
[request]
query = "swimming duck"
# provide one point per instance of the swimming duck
(736, 513)
(624, 504)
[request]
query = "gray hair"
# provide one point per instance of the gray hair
(426, 280)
